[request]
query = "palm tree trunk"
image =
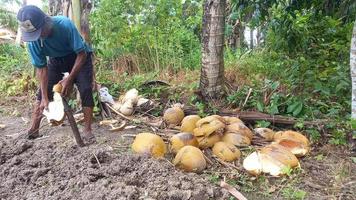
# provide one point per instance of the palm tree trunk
(76, 6)
(212, 71)
(85, 31)
(353, 72)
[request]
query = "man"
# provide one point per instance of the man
(57, 38)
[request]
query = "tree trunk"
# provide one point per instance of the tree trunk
(18, 39)
(212, 71)
(251, 38)
(76, 7)
(54, 7)
(84, 31)
(353, 72)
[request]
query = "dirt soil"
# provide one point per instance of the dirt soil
(53, 167)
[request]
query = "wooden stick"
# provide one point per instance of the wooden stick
(97, 160)
(118, 113)
(232, 191)
(248, 96)
(208, 160)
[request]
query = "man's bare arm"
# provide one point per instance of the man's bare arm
(42, 76)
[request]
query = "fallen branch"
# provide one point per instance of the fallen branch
(253, 116)
(248, 96)
(232, 191)
(97, 160)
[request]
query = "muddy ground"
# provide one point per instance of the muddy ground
(53, 167)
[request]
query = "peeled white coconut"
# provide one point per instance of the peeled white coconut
(127, 108)
(271, 159)
(117, 105)
(131, 95)
(55, 112)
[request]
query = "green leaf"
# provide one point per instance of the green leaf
(295, 108)
(353, 159)
(260, 106)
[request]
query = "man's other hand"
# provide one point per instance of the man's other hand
(67, 84)
(44, 104)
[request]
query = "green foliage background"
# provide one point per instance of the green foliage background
(302, 64)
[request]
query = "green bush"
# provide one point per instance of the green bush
(159, 34)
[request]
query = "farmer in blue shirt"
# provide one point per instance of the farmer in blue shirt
(58, 39)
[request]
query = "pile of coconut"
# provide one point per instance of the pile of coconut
(131, 100)
(224, 135)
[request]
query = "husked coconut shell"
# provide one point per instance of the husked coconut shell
(271, 159)
(295, 142)
(226, 151)
(190, 159)
(265, 133)
(55, 113)
(188, 123)
(208, 125)
(297, 148)
(236, 139)
(252, 164)
(239, 128)
(182, 139)
(292, 135)
(280, 157)
(173, 116)
(206, 142)
(108, 122)
(149, 144)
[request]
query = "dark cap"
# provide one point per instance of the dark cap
(31, 20)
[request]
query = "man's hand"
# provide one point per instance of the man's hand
(67, 84)
(44, 104)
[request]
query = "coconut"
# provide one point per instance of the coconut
(266, 133)
(182, 139)
(131, 95)
(226, 151)
(55, 113)
(206, 142)
(190, 159)
(127, 108)
(231, 120)
(188, 123)
(57, 88)
(117, 105)
(239, 127)
(149, 144)
(209, 125)
(236, 139)
(173, 116)
(272, 159)
(295, 142)
(252, 164)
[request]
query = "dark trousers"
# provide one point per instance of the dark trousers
(84, 79)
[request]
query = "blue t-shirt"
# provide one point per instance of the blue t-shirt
(64, 40)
